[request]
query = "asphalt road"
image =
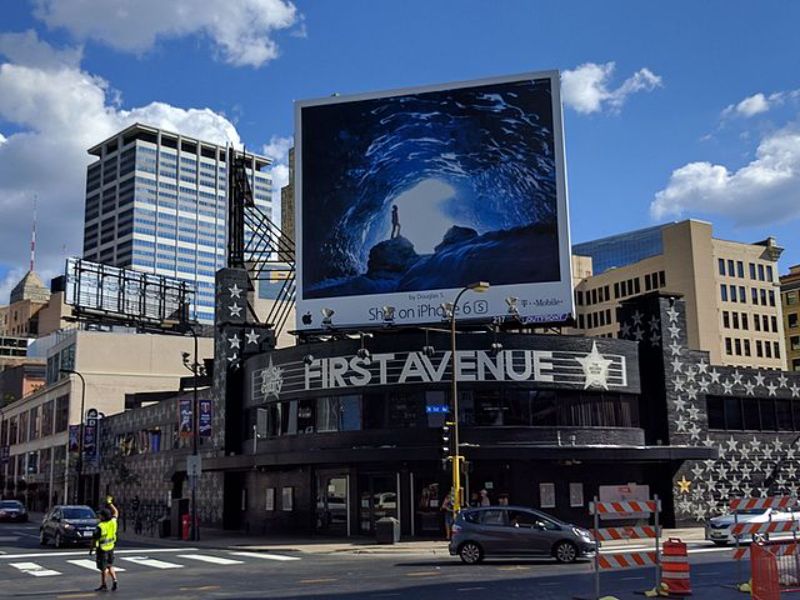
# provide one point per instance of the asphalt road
(30, 571)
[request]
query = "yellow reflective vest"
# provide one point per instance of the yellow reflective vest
(108, 534)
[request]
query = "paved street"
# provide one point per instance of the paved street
(186, 572)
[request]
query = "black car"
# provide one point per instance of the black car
(13, 510)
(68, 525)
(516, 531)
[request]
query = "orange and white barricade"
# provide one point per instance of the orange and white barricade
(625, 560)
(675, 576)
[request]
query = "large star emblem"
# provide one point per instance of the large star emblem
(236, 310)
(235, 291)
(252, 337)
(595, 368)
(684, 485)
(272, 381)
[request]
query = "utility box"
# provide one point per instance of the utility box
(387, 530)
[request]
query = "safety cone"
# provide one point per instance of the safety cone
(675, 578)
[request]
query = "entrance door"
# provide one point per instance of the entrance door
(378, 499)
(428, 515)
(333, 506)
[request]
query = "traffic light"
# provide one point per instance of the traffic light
(446, 441)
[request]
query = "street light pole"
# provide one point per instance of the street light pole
(457, 459)
(195, 367)
(79, 464)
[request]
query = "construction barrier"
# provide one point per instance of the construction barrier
(785, 549)
(758, 528)
(764, 583)
(675, 575)
(768, 502)
(625, 560)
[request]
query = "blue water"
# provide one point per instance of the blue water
(492, 145)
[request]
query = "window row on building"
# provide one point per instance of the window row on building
(742, 347)
(758, 296)
(37, 462)
(596, 319)
(737, 413)
(757, 271)
(737, 320)
(521, 408)
(38, 422)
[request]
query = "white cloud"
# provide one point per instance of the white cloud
(58, 112)
(278, 148)
(26, 49)
(241, 30)
(759, 103)
(767, 190)
(586, 88)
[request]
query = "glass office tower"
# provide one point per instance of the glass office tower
(156, 201)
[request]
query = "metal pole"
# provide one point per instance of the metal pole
(456, 458)
(736, 537)
(79, 463)
(658, 545)
(596, 550)
(195, 438)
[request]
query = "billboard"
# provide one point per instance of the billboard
(405, 197)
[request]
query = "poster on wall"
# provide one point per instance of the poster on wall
(185, 417)
(405, 197)
(270, 499)
(74, 435)
(204, 418)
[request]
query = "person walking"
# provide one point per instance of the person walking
(484, 498)
(449, 516)
(103, 543)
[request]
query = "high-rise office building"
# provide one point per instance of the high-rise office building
(731, 289)
(156, 201)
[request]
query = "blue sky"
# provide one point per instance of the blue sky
(674, 110)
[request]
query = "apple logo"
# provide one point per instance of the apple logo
(307, 318)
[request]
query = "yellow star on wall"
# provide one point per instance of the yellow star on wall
(684, 485)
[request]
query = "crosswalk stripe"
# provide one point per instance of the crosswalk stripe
(266, 556)
(217, 560)
(31, 568)
(151, 562)
(89, 564)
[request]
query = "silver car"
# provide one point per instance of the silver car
(516, 531)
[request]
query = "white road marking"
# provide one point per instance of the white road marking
(151, 562)
(31, 568)
(266, 556)
(9, 538)
(89, 564)
(217, 560)
(83, 552)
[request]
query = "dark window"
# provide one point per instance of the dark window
(733, 293)
(728, 346)
(733, 413)
(767, 350)
(769, 273)
(726, 321)
(757, 322)
(752, 271)
(740, 268)
(791, 320)
(579, 298)
(742, 295)
(723, 292)
(772, 297)
(606, 294)
(730, 268)
(636, 286)
(745, 325)
(616, 290)
(751, 414)
(738, 346)
(754, 295)
(765, 322)
(721, 264)
(662, 279)
(776, 349)
(735, 316)
(716, 412)
(774, 321)
(761, 272)
(763, 297)
(580, 322)
(747, 347)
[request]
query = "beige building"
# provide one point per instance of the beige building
(36, 428)
(790, 301)
(33, 310)
(731, 288)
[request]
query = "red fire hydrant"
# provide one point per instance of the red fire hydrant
(186, 525)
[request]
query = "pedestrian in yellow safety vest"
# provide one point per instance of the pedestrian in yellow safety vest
(103, 542)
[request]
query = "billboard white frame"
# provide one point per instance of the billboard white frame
(415, 308)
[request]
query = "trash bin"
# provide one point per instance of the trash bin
(387, 530)
(164, 527)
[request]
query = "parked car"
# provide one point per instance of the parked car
(13, 510)
(516, 531)
(68, 525)
(720, 529)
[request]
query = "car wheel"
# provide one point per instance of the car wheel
(59, 542)
(470, 553)
(42, 537)
(565, 552)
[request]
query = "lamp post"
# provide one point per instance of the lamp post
(79, 464)
(456, 459)
(194, 368)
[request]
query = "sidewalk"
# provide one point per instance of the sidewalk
(219, 539)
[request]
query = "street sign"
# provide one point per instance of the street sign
(194, 466)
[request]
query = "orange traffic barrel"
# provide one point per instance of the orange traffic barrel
(675, 568)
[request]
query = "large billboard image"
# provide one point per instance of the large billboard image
(403, 198)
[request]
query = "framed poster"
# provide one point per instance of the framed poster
(547, 495)
(287, 497)
(270, 499)
(575, 494)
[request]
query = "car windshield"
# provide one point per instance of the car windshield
(751, 511)
(78, 513)
(10, 504)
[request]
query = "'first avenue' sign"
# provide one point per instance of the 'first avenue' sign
(583, 370)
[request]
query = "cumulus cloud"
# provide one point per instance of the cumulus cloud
(26, 49)
(759, 103)
(767, 190)
(240, 30)
(278, 148)
(587, 89)
(57, 112)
